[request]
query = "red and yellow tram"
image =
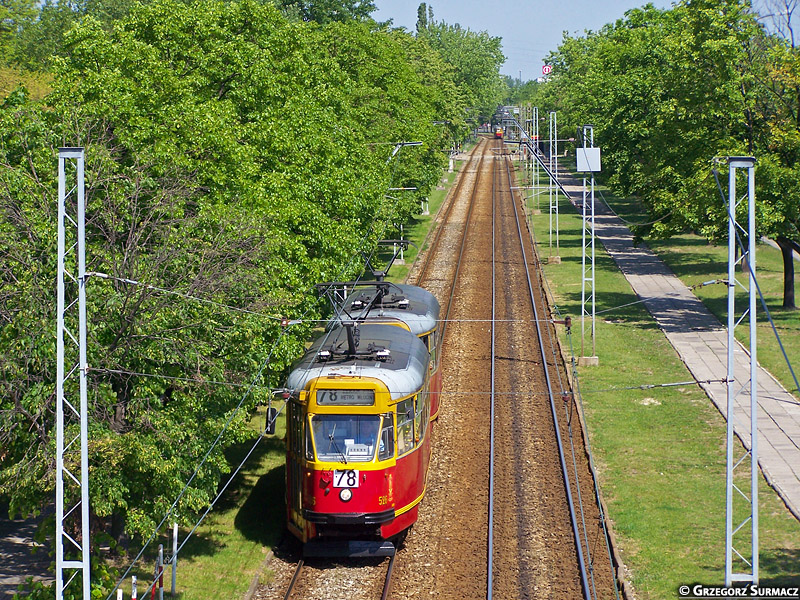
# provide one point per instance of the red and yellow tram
(498, 133)
(358, 439)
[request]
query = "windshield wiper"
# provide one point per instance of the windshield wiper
(335, 445)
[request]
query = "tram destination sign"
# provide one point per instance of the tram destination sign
(345, 397)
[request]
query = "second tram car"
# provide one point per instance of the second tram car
(408, 306)
(358, 439)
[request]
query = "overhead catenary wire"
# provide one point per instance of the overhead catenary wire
(642, 301)
(184, 295)
(91, 370)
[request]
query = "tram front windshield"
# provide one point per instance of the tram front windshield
(345, 438)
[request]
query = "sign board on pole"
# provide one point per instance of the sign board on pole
(588, 159)
(547, 69)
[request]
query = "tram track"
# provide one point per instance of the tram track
(535, 550)
(310, 582)
(537, 323)
(594, 570)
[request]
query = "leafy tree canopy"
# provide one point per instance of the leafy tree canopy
(669, 90)
(232, 156)
(476, 59)
(328, 11)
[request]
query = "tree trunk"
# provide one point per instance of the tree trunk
(787, 247)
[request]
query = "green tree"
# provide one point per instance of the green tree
(329, 11)
(422, 17)
(14, 16)
(670, 90)
(773, 67)
(41, 40)
(476, 59)
(231, 156)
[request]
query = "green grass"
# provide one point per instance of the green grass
(660, 453)
(230, 547)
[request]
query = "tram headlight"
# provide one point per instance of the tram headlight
(345, 495)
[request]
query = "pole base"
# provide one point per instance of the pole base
(536, 211)
(554, 260)
(588, 361)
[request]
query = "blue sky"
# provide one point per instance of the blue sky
(529, 28)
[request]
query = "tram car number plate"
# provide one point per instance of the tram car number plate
(345, 479)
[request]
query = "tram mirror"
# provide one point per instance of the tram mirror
(272, 416)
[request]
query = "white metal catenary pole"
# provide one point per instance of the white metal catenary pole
(72, 484)
(588, 161)
(553, 186)
(739, 503)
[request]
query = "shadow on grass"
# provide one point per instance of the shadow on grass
(262, 516)
(692, 263)
(266, 495)
(611, 307)
(779, 560)
(567, 238)
(233, 496)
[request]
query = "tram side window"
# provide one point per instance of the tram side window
(420, 417)
(387, 437)
(291, 433)
(308, 444)
(295, 429)
(405, 426)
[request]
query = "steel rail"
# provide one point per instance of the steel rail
(562, 460)
(387, 584)
(467, 220)
(490, 551)
(294, 580)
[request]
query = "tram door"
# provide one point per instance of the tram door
(294, 466)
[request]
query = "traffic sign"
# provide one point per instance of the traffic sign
(547, 69)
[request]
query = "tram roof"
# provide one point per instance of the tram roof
(420, 312)
(402, 371)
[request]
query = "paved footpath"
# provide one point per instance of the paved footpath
(701, 342)
(20, 556)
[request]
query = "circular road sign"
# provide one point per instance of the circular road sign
(547, 69)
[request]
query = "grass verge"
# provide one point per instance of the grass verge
(695, 261)
(660, 453)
